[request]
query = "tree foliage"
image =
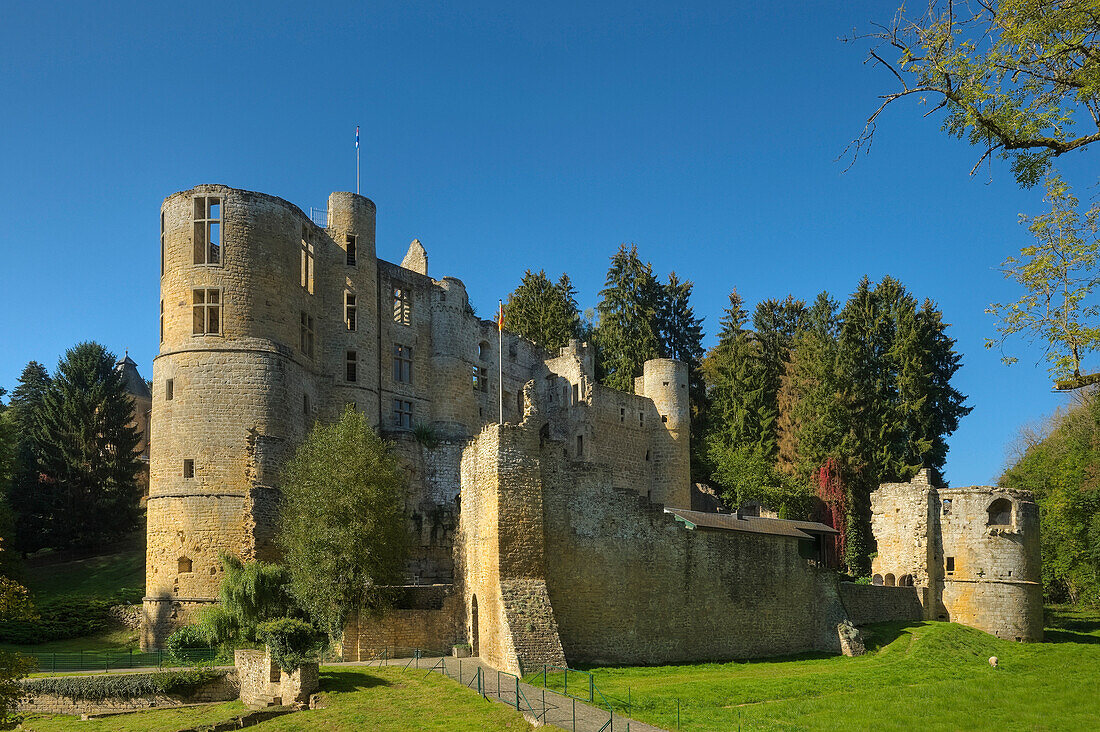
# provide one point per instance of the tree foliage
(542, 311)
(1062, 471)
(629, 329)
(1058, 273)
(342, 527)
(250, 594)
(1014, 77)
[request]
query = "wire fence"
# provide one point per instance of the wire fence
(52, 661)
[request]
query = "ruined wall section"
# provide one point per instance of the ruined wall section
(900, 515)
(994, 582)
(631, 585)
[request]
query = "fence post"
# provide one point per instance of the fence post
(677, 714)
(544, 675)
(574, 714)
(591, 687)
(517, 693)
(566, 692)
(628, 708)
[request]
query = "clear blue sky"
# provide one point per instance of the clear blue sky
(504, 136)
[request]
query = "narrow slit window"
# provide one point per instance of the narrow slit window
(188, 468)
(162, 244)
(162, 321)
(305, 335)
(307, 261)
(169, 390)
(207, 239)
(949, 564)
(641, 419)
(351, 367)
(206, 308)
(306, 405)
(622, 414)
(351, 242)
(349, 310)
(580, 446)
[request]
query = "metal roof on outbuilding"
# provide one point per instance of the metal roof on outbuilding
(751, 524)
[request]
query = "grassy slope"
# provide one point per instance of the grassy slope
(929, 675)
(377, 699)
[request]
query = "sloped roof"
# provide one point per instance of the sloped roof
(135, 385)
(750, 524)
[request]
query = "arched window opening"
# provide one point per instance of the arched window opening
(906, 580)
(483, 350)
(889, 580)
(1000, 513)
(184, 565)
(877, 580)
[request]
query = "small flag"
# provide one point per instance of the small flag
(356, 137)
(500, 316)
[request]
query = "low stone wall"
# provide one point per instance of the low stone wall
(881, 604)
(264, 684)
(225, 688)
(429, 630)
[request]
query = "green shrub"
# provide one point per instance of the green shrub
(123, 686)
(183, 643)
(66, 617)
(291, 641)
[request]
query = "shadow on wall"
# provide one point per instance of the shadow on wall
(161, 620)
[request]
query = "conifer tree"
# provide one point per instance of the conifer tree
(776, 324)
(681, 335)
(542, 311)
(31, 497)
(87, 449)
(629, 332)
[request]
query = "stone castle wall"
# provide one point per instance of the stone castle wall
(878, 604)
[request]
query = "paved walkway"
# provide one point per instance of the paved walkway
(548, 707)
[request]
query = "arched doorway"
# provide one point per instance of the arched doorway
(475, 650)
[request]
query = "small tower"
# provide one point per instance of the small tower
(665, 381)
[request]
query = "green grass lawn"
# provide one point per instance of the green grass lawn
(102, 576)
(379, 699)
(932, 676)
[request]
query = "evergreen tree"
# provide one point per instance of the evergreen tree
(87, 449)
(629, 331)
(31, 496)
(776, 324)
(542, 311)
(681, 335)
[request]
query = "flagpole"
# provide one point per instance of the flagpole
(357, 160)
(500, 357)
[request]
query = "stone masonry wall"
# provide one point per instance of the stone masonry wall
(429, 630)
(878, 604)
(225, 688)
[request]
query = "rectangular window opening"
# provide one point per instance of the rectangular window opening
(351, 241)
(949, 564)
(162, 321)
(206, 311)
(305, 404)
(402, 414)
(580, 446)
(481, 379)
(188, 468)
(402, 306)
(307, 261)
(206, 239)
(305, 335)
(622, 414)
(169, 390)
(402, 364)
(351, 366)
(349, 310)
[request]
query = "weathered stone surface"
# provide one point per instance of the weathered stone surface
(264, 684)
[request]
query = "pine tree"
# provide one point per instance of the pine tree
(31, 496)
(542, 311)
(86, 449)
(776, 324)
(628, 333)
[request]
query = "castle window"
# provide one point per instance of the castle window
(162, 321)
(949, 564)
(641, 419)
(307, 262)
(483, 352)
(183, 565)
(947, 507)
(1000, 513)
(188, 468)
(207, 311)
(305, 335)
(169, 390)
(402, 414)
(349, 310)
(402, 363)
(305, 404)
(647, 456)
(576, 393)
(402, 307)
(906, 580)
(350, 239)
(519, 403)
(877, 580)
(889, 580)
(664, 417)
(207, 239)
(351, 366)
(580, 446)
(481, 379)
(161, 243)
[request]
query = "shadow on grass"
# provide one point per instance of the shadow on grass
(877, 636)
(1056, 635)
(348, 681)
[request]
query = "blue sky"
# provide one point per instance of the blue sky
(503, 136)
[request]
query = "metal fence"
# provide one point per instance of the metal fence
(319, 216)
(51, 661)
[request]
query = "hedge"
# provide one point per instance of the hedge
(122, 686)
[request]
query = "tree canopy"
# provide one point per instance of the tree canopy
(542, 311)
(342, 526)
(1020, 79)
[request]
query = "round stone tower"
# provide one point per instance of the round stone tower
(666, 383)
(250, 318)
(989, 561)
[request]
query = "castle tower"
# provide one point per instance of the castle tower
(253, 341)
(665, 381)
(453, 402)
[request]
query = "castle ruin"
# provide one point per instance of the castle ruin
(553, 525)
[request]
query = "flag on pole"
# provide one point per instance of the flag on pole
(500, 316)
(356, 137)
